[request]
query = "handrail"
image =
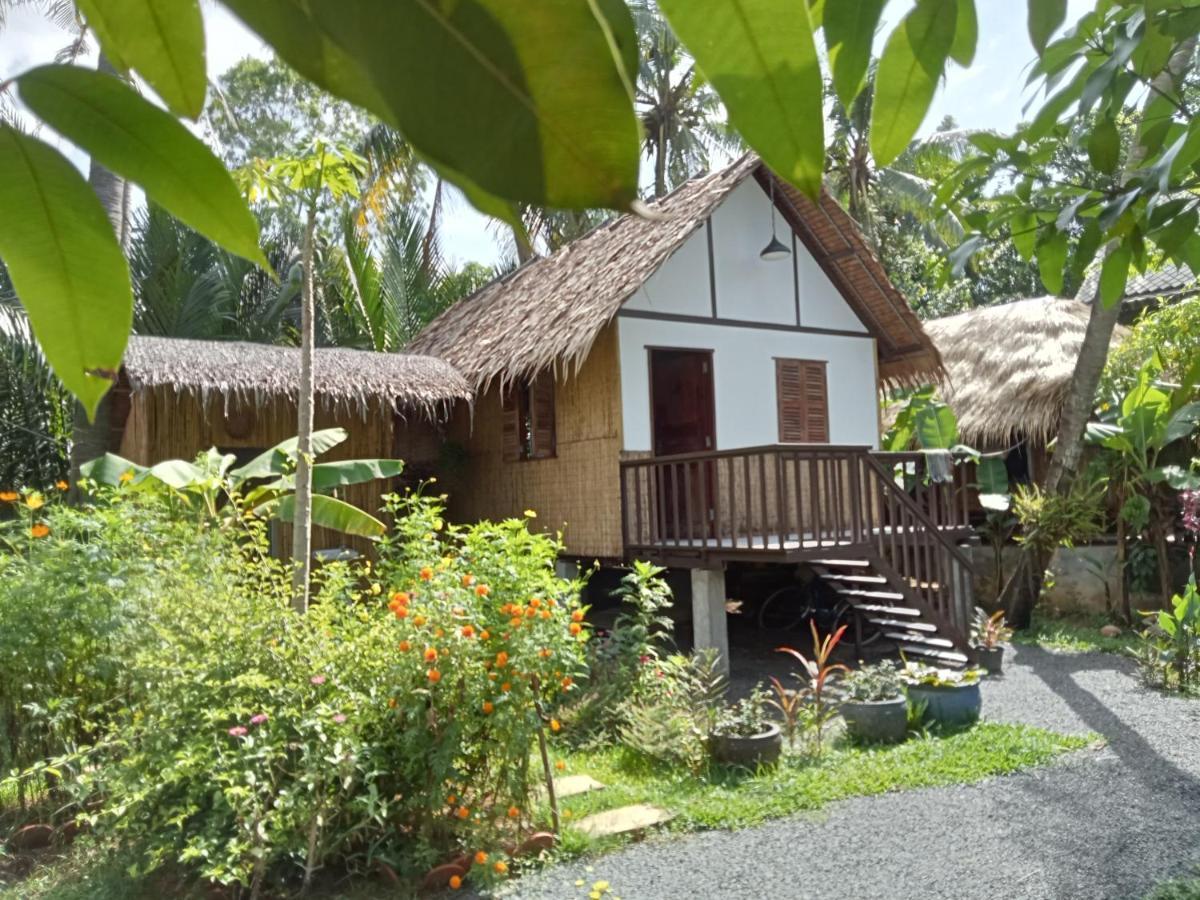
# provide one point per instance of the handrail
(704, 455)
(915, 509)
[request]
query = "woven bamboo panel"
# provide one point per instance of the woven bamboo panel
(577, 491)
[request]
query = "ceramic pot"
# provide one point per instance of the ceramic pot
(882, 721)
(952, 705)
(749, 752)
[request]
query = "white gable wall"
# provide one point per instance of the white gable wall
(763, 310)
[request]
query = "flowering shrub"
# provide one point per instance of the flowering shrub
(393, 723)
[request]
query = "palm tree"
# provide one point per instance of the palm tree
(682, 117)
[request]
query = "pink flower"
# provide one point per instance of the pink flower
(340, 718)
(237, 731)
(259, 719)
(643, 659)
(317, 679)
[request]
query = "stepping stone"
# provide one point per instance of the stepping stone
(623, 820)
(572, 785)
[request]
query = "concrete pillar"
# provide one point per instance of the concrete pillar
(566, 569)
(710, 626)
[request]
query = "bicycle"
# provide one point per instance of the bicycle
(794, 605)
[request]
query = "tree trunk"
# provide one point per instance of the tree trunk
(302, 519)
(90, 439)
(1122, 557)
(1068, 453)
(660, 163)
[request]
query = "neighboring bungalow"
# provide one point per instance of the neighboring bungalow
(176, 398)
(1147, 291)
(1009, 370)
(666, 388)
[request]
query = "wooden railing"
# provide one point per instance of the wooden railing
(786, 502)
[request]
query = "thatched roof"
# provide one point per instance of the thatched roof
(549, 312)
(354, 380)
(1009, 367)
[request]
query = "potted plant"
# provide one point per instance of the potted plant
(875, 707)
(744, 734)
(988, 636)
(950, 696)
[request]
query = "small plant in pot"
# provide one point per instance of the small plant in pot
(951, 696)
(744, 734)
(989, 634)
(875, 706)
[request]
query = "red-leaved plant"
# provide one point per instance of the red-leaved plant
(818, 671)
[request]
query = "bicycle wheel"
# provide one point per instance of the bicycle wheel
(845, 616)
(785, 608)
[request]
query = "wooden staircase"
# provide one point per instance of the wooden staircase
(884, 601)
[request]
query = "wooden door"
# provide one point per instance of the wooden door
(683, 421)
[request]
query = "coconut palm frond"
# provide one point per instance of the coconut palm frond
(916, 196)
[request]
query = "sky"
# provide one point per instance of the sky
(990, 94)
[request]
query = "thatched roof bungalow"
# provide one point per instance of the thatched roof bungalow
(176, 398)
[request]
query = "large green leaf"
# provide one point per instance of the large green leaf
(937, 427)
(1052, 261)
(849, 31)
(327, 476)
(177, 473)
(109, 468)
(527, 101)
(761, 57)
(135, 138)
(1183, 423)
(65, 264)
(1045, 17)
(1104, 146)
(966, 34)
(273, 461)
(162, 39)
(329, 512)
(1114, 273)
(909, 70)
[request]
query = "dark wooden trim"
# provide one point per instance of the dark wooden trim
(737, 323)
(796, 277)
(712, 266)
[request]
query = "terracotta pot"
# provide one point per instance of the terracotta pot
(31, 837)
(749, 752)
(877, 721)
(439, 878)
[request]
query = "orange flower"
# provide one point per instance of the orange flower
(434, 675)
(488, 707)
(530, 612)
(468, 631)
(468, 580)
(506, 687)
(484, 635)
(462, 812)
(40, 530)
(400, 598)
(502, 658)
(501, 867)
(513, 812)
(418, 620)
(401, 612)
(545, 653)
(491, 676)
(451, 800)
(391, 702)
(517, 610)
(480, 858)
(568, 681)
(62, 486)
(455, 882)
(405, 646)
(576, 628)
(553, 603)
(555, 726)
(577, 616)
(514, 623)
(9, 496)
(535, 602)
(430, 654)
(427, 574)
(560, 765)
(437, 632)
(482, 590)
(545, 613)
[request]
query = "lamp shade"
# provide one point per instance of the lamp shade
(775, 250)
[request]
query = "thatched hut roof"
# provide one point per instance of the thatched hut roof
(549, 311)
(353, 380)
(1009, 367)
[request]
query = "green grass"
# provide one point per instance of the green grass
(729, 799)
(1180, 889)
(722, 798)
(1074, 634)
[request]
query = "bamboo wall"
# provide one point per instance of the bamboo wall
(165, 425)
(578, 490)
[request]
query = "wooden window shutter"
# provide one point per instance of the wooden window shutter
(511, 418)
(541, 413)
(803, 400)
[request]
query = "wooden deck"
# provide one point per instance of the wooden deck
(793, 503)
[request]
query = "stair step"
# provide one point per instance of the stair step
(870, 595)
(937, 642)
(888, 610)
(910, 625)
(841, 563)
(946, 656)
(855, 579)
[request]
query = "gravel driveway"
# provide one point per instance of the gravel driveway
(1106, 823)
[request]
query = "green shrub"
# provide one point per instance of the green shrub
(394, 722)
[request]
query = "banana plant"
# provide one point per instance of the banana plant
(265, 486)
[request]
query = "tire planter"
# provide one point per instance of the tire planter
(749, 752)
(877, 721)
(954, 705)
(991, 659)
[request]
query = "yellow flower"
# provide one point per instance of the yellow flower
(126, 477)
(530, 514)
(35, 500)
